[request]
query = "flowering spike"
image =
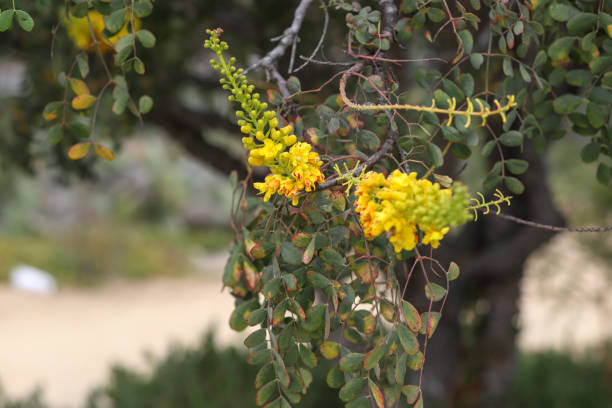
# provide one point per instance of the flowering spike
(293, 170)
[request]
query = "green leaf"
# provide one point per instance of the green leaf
(352, 389)
(403, 31)
(600, 64)
(600, 96)
(516, 166)
(441, 99)
(361, 402)
(399, 373)
(6, 20)
(524, 73)
(511, 138)
(411, 316)
(308, 357)
(257, 317)
(24, 20)
(487, 148)
(351, 362)
(408, 339)
(452, 273)
(376, 393)
(318, 280)
(560, 49)
(567, 103)
(604, 174)
(467, 40)
(281, 372)
(146, 38)
(368, 140)
(335, 377)
(83, 64)
(435, 14)
(272, 288)
(435, 155)
(590, 152)
(411, 392)
(476, 60)
(332, 257)
(265, 393)
(290, 253)
(561, 12)
(293, 84)
(596, 115)
(578, 77)
(507, 67)
(315, 318)
(290, 281)
(514, 185)
(56, 134)
(115, 21)
(373, 356)
(453, 90)
(124, 45)
(540, 60)
(264, 375)
(581, 23)
(430, 322)
(415, 361)
(466, 82)
(260, 357)
(145, 104)
(139, 67)
(255, 338)
(142, 8)
(434, 292)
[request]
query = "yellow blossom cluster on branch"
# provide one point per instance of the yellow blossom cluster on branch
(401, 205)
(294, 166)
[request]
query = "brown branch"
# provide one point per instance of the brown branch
(286, 39)
(552, 227)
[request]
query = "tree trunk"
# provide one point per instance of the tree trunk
(471, 357)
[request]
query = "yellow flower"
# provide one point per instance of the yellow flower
(293, 170)
(401, 205)
(80, 32)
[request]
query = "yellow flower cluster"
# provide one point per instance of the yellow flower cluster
(293, 165)
(401, 205)
(80, 32)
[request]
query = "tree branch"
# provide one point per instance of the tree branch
(268, 62)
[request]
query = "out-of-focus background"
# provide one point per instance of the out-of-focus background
(110, 292)
(136, 258)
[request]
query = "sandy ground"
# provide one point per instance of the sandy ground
(565, 298)
(67, 342)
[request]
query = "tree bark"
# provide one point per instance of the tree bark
(463, 372)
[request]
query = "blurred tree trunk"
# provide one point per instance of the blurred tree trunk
(472, 356)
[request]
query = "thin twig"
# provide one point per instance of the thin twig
(552, 227)
(286, 39)
(321, 39)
